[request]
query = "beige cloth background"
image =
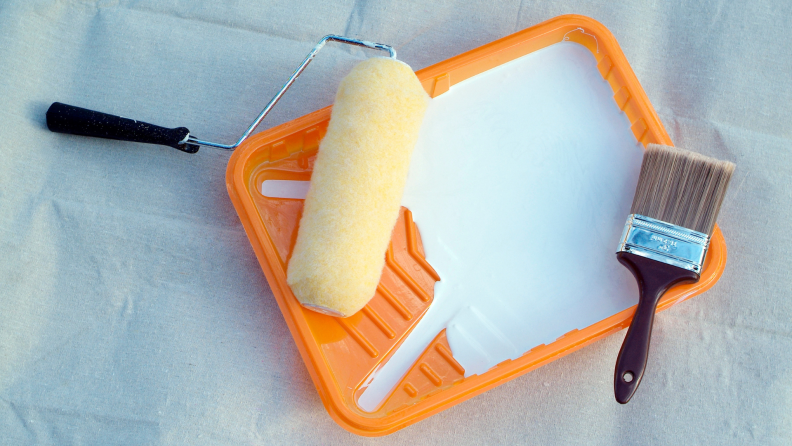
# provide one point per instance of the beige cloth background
(132, 308)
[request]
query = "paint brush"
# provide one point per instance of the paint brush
(665, 239)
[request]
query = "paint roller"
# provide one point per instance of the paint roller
(356, 185)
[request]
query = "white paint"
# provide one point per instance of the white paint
(285, 189)
(520, 184)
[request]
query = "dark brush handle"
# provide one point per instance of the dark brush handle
(654, 278)
(64, 118)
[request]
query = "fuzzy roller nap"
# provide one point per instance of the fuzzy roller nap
(356, 187)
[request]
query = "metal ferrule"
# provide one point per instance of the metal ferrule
(664, 242)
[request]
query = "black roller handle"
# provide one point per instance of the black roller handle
(64, 118)
(654, 279)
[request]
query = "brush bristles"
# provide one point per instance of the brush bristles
(681, 187)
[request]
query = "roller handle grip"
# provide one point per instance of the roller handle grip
(654, 279)
(64, 118)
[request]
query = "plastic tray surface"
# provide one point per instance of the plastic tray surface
(341, 354)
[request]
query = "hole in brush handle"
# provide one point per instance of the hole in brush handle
(64, 118)
(654, 279)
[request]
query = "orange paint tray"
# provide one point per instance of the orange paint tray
(341, 354)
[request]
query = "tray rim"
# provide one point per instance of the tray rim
(436, 80)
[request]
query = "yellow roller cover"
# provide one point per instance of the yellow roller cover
(356, 187)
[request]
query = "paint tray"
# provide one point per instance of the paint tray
(341, 354)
